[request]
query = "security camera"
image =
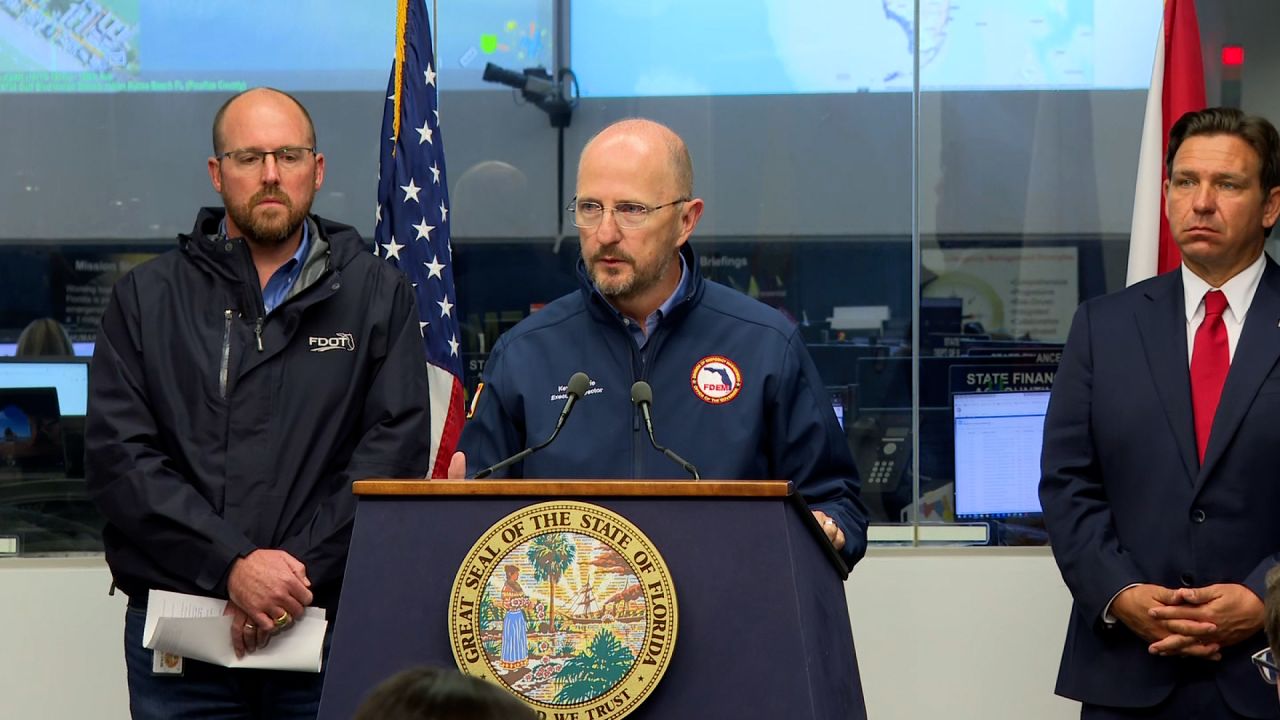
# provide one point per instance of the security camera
(538, 86)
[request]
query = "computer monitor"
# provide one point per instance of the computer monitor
(31, 442)
(837, 363)
(70, 376)
(998, 436)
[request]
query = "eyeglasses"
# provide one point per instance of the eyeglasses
(287, 158)
(1266, 664)
(589, 213)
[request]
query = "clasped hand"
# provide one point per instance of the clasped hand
(1190, 622)
(268, 589)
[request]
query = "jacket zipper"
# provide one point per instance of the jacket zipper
(640, 439)
(262, 310)
(646, 358)
(226, 353)
(257, 301)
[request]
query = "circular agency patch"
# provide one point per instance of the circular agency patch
(567, 605)
(716, 379)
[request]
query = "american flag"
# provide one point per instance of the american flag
(412, 219)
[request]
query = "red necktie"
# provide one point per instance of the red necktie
(1210, 359)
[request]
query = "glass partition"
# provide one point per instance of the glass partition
(927, 189)
(1029, 121)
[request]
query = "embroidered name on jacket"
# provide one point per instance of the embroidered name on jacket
(562, 391)
(341, 341)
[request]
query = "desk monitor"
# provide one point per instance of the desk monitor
(884, 383)
(30, 433)
(998, 436)
(69, 376)
(837, 363)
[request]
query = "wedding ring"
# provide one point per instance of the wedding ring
(282, 620)
(250, 626)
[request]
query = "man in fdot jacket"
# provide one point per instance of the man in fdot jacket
(240, 383)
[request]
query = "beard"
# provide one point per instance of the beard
(641, 279)
(269, 228)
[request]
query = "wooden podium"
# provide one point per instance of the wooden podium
(763, 622)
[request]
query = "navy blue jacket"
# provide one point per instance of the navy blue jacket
(1126, 499)
(779, 425)
(214, 430)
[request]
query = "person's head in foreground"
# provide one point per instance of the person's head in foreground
(1265, 659)
(424, 693)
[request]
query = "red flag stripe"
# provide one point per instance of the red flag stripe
(1183, 93)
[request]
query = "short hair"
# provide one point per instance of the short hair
(1271, 610)
(222, 111)
(1255, 130)
(427, 693)
(681, 164)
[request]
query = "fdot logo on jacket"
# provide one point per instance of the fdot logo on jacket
(341, 341)
(716, 379)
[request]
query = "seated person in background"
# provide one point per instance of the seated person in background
(44, 337)
(425, 693)
(732, 378)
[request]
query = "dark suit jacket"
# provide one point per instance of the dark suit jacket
(1127, 501)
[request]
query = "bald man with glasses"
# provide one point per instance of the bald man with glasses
(732, 382)
(733, 385)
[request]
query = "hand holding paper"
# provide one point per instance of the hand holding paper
(195, 627)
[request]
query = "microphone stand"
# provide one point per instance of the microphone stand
(642, 396)
(578, 385)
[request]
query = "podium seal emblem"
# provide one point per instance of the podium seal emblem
(567, 605)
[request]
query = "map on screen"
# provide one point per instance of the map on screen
(736, 47)
(619, 49)
(69, 46)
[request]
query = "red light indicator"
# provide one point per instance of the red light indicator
(1232, 55)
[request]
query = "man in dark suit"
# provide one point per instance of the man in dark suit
(1161, 460)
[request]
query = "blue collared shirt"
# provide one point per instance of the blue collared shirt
(642, 335)
(283, 279)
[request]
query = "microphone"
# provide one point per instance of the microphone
(642, 398)
(578, 385)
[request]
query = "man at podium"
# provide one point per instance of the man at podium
(721, 377)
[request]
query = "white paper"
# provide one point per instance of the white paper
(194, 627)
